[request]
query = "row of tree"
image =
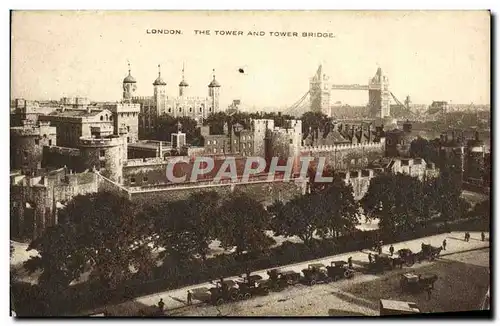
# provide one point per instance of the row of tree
(115, 238)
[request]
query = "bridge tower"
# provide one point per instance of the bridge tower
(319, 92)
(379, 96)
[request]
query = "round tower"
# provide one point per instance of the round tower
(129, 86)
(26, 152)
(213, 93)
(104, 155)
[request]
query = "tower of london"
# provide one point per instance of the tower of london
(180, 105)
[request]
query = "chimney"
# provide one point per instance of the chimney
(89, 109)
(407, 126)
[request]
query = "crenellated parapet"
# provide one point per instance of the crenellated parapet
(101, 142)
(323, 148)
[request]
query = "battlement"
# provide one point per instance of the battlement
(65, 151)
(321, 148)
(360, 174)
(101, 142)
(188, 98)
(142, 98)
(145, 161)
(123, 107)
(25, 131)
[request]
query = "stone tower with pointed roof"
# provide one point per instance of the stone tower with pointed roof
(379, 96)
(319, 92)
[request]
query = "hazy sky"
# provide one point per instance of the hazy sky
(428, 55)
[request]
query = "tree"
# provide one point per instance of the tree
(482, 211)
(201, 219)
(167, 125)
(339, 209)
(241, 222)
(422, 148)
(216, 122)
(299, 217)
(99, 232)
(396, 200)
(449, 203)
(313, 120)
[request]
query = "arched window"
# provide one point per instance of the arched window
(102, 118)
(180, 109)
(107, 118)
(201, 110)
(169, 110)
(210, 109)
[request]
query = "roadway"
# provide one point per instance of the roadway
(302, 296)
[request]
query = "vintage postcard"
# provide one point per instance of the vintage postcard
(250, 163)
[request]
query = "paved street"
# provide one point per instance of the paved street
(175, 300)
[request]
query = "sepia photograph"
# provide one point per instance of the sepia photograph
(229, 163)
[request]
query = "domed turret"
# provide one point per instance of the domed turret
(183, 84)
(214, 83)
(159, 81)
(129, 86)
(129, 79)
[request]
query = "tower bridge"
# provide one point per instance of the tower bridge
(318, 97)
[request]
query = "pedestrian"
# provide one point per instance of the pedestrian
(483, 237)
(349, 261)
(161, 305)
(391, 250)
(370, 257)
(444, 244)
(429, 292)
(189, 297)
(380, 250)
(468, 236)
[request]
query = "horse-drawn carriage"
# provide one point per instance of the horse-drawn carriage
(405, 257)
(413, 283)
(380, 263)
(429, 252)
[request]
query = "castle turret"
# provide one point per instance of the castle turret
(160, 91)
(213, 93)
(104, 154)
(129, 86)
(183, 85)
(319, 90)
(379, 95)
